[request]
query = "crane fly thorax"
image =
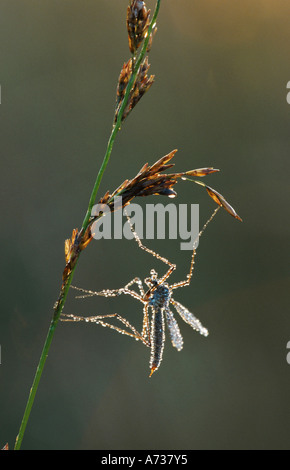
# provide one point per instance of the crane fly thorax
(160, 296)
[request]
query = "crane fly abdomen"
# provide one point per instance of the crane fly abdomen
(157, 339)
(159, 301)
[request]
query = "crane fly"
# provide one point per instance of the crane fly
(157, 300)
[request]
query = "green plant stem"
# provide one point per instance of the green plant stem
(65, 288)
(43, 357)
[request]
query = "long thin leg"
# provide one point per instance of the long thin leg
(146, 327)
(137, 281)
(90, 293)
(188, 277)
(99, 320)
(114, 292)
(172, 266)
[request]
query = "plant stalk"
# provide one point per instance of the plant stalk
(43, 357)
(65, 287)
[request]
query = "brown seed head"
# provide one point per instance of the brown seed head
(150, 180)
(124, 78)
(141, 86)
(137, 24)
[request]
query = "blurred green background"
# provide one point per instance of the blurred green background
(221, 72)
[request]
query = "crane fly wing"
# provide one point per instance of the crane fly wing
(189, 318)
(175, 335)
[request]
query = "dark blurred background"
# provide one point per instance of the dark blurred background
(221, 72)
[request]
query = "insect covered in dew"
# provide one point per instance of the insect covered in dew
(157, 301)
